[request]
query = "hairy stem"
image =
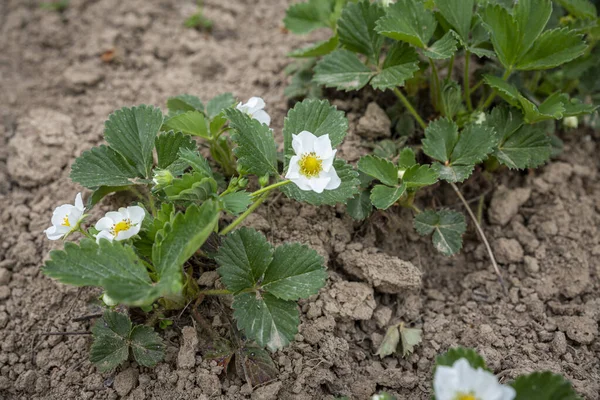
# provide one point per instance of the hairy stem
(84, 233)
(410, 108)
(267, 189)
(467, 81)
(242, 217)
(450, 68)
(482, 235)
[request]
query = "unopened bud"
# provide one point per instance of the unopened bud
(162, 177)
(263, 180)
(243, 182)
(108, 301)
(571, 122)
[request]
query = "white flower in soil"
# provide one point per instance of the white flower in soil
(463, 382)
(120, 225)
(312, 166)
(66, 219)
(255, 109)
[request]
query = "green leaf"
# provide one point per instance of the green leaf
(180, 239)
(453, 355)
(504, 33)
(191, 123)
(147, 347)
(552, 108)
(409, 337)
(531, 17)
(383, 197)
(553, 48)
(195, 160)
(347, 189)
(152, 226)
(400, 64)
(131, 132)
(305, 17)
(102, 166)
(101, 193)
(356, 28)
(342, 70)
(236, 203)
(454, 173)
(507, 91)
(296, 272)
(451, 99)
(219, 103)
(359, 207)
(407, 158)
(579, 8)
(543, 386)
(443, 48)
(256, 364)
(447, 227)
(243, 257)
(110, 347)
(575, 108)
(379, 168)
(270, 321)
(459, 14)
(110, 265)
(419, 176)
(390, 342)
(168, 146)
(256, 150)
(440, 138)
(475, 142)
(408, 21)
(317, 49)
(184, 103)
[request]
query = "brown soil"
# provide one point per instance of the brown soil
(56, 94)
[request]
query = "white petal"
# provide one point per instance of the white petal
(75, 216)
(241, 107)
(323, 147)
(59, 214)
(124, 213)
(445, 382)
(79, 203)
(302, 183)
(254, 104)
(105, 224)
(262, 117)
(294, 168)
(334, 179)
(129, 233)
(52, 234)
(136, 214)
(319, 184)
(104, 235)
(114, 216)
(303, 142)
(508, 393)
(328, 162)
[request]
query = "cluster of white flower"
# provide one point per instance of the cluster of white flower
(115, 225)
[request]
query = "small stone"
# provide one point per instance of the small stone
(5, 276)
(531, 264)
(268, 392)
(559, 343)
(4, 292)
(187, 352)
(125, 381)
(375, 124)
(508, 251)
(208, 278)
(506, 203)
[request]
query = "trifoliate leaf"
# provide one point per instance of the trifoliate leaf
(347, 189)
(256, 364)
(110, 347)
(440, 138)
(390, 342)
(102, 166)
(544, 386)
(360, 207)
(110, 265)
(531, 17)
(459, 14)
(447, 227)
(296, 272)
(400, 64)
(407, 158)
(243, 257)
(579, 8)
(383, 197)
(236, 203)
(184, 103)
(147, 347)
(219, 103)
(475, 142)
(131, 132)
(504, 33)
(453, 355)
(379, 168)
(195, 160)
(318, 49)
(356, 28)
(419, 176)
(270, 321)
(256, 151)
(342, 70)
(443, 48)
(180, 239)
(168, 146)
(191, 123)
(409, 338)
(408, 21)
(302, 18)
(553, 48)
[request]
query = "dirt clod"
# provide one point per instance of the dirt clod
(508, 251)
(352, 300)
(187, 352)
(125, 381)
(375, 124)
(505, 204)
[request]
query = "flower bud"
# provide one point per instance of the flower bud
(243, 182)
(480, 118)
(162, 177)
(263, 180)
(401, 173)
(571, 122)
(108, 301)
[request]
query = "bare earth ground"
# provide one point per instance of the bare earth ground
(56, 93)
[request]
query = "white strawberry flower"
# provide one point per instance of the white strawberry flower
(120, 225)
(66, 219)
(312, 166)
(255, 109)
(463, 382)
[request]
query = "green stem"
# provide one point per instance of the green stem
(270, 187)
(80, 230)
(474, 88)
(492, 95)
(450, 68)
(436, 87)
(410, 108)
(215, 292)
(242, 217)
(467, 81)
(415, 209)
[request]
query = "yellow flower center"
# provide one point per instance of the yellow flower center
(66, 222)
(469, 396)
(120, 227)
(310, 165)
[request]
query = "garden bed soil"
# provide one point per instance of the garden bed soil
(58, 88)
